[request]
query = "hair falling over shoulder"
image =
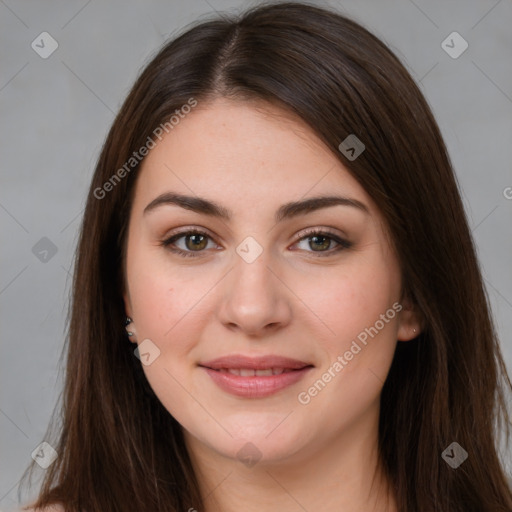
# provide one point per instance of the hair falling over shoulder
(118, 449)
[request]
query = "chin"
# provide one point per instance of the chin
(258, 440)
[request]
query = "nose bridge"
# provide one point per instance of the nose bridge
(254, 299)
(251, 267)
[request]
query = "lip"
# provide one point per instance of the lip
(257, 386)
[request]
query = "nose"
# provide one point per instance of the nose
(255, 300)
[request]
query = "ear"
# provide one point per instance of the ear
(130, 328)
(409, 321)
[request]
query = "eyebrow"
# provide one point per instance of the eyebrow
(286, 211)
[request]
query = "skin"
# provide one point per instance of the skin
(251, 158)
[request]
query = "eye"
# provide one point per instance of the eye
(194, 242)
(321, 239)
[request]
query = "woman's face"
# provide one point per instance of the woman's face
(260, 331)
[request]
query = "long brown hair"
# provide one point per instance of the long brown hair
(119, 449)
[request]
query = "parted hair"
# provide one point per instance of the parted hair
(119, 449)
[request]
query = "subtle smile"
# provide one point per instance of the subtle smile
(255, 377)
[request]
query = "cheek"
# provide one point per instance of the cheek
(160, 293)
(343, 302)
(162, 305)
(152, 298)
(168, 312)
(357, 305)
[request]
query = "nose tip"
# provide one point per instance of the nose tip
(255, 300)
(253, 329)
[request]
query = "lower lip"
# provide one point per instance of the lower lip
(255, 387)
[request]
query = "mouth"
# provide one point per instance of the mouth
(248, 372)
(255, 377)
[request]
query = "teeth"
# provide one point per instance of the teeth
(264, 373)
(247, 372)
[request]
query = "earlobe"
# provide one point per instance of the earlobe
(128, 324)
(409, 322)
(407, 334)
(130, 329)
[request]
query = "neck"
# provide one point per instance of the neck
(342, 473)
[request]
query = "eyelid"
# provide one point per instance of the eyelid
(168, 240)
(341, 240)
(188, 230)
(320, 229)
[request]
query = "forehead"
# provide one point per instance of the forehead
(245, 153)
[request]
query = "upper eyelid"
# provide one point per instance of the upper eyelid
(303, 234)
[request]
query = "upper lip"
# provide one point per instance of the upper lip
(254, 363)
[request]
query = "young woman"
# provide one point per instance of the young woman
(277, 303)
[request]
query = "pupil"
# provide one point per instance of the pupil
(326, 241)
(196, 243)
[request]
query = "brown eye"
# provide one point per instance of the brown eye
(320, 241)
(194, 242)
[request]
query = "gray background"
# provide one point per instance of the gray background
(55, 114)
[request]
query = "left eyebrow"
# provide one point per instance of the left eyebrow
(286, 211)
(295, 208)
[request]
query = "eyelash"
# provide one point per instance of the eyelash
(342, 244)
